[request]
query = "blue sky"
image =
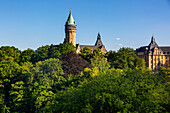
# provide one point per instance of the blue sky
(33, 23)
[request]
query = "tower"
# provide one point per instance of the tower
(70, 30)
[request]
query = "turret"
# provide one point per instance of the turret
(70, 30)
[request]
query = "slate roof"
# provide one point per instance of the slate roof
(90, 46)
(165, 49)
(151, 46)
(141, 49)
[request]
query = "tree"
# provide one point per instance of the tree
(10, 72)
(43, 82)
(42, 53)
(10, 53)
(127, 58)
(111, 56)
(16, 97)
(101, 63)
(97, 52)
(53, 52)
(27, 55)
(48, 71)
(65, 47)
(73, 64)
(86, 53)
(164, 75)
(114, 92)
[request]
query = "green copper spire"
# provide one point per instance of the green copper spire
(70, 20)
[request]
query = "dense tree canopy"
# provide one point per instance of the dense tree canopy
(125, 58)
(10, 53)
(134, 91)
(86, 53)
(27, 55)
(56, 79)
(73, 63)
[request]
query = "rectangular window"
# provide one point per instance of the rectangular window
(166, 57)
(161, 57)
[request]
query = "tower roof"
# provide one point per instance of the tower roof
(98, 41)
(70, 20)
(152, 43)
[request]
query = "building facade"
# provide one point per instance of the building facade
(155, 56)
(70, 36)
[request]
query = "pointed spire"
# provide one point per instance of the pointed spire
(98, 41)
(152, 39)
(70, 20)
(98, 36)
(152, 44)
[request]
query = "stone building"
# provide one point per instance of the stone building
(154, 55)
(70, 36)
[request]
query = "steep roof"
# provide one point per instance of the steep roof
(152, 44)
(141, 49)
(98, 41)
(70, 20)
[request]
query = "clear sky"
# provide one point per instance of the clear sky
(121, 23)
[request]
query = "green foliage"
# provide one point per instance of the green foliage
(97, 52)
(27, 55)
(10, 53)
(133, 91)
(42, 52)
(10, 72)
(47, 72)
(39, 82)
(111, 56)
(65, 48)
(52, 51)
(164, 74)
(86, 53)
(44, 80)
(101, 63)
(43, 98)
(16, 96)
(125, 58)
